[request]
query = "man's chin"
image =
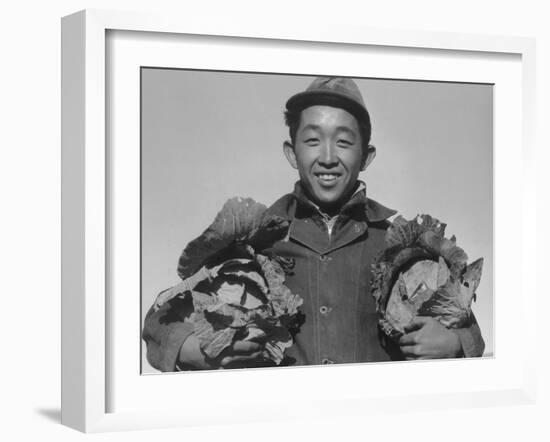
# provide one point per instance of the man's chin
(328, 204)
(331, 202)
(328, 200)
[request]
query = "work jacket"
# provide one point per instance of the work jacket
(332, 273)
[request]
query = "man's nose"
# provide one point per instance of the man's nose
(328, 157)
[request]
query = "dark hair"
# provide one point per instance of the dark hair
(292, 120)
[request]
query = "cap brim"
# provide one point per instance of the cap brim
(307, 99)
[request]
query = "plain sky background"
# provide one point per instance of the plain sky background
(209, 136)
(30, 189)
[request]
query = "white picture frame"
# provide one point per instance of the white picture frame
(86, 313)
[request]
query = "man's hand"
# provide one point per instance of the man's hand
(243, 354)
(427, 338)
(240, 353)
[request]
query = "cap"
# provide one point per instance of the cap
(332, 91)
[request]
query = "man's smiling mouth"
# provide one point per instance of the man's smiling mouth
(327, 178)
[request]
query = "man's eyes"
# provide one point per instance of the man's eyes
(340, 142)
(344, 142)
(312, 141)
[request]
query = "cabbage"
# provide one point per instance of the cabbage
(238, 293)
(423, 273)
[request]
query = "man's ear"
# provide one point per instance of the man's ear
(368, 156)
(290, 155)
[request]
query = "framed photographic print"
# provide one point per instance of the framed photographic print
(164, 122)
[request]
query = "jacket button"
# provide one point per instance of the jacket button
(323, 257)
(326, 361)
(324, 309)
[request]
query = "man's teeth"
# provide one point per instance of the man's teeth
(327, 176)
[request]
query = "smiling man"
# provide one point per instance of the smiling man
(335, 234)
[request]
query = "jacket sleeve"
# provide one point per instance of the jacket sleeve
(165, 330)
(471, 340)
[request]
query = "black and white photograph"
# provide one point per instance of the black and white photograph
(291, 220)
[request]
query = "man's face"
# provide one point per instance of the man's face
(328, 154)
